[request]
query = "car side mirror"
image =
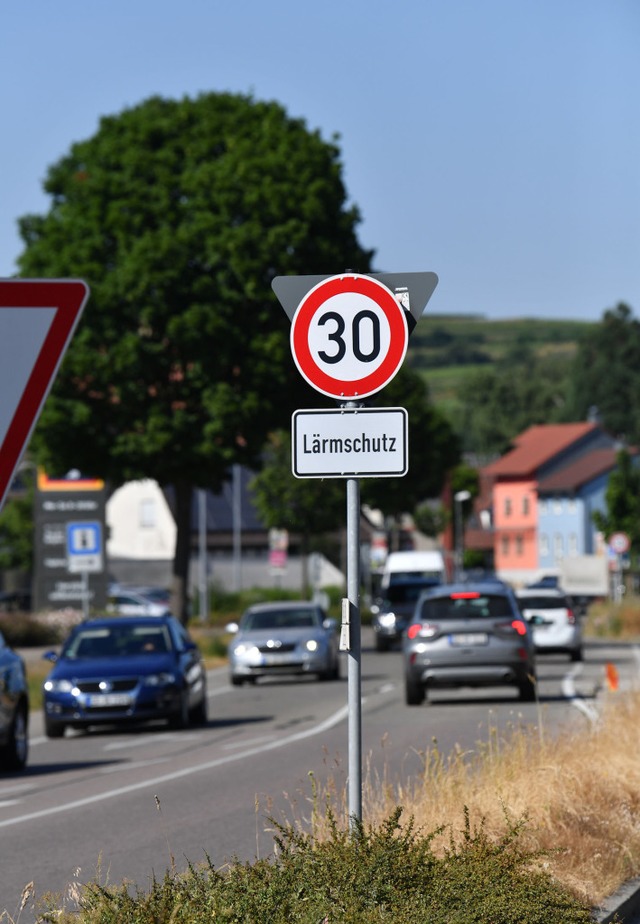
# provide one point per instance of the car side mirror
(330, 623)
(50, 656)
(231, 628)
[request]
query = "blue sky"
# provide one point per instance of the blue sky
(494, 142)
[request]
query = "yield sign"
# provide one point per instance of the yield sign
(37, 320)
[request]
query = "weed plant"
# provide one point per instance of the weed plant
(374, 876)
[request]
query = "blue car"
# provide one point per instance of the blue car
(125, 669)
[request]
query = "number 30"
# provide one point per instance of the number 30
(337, 336)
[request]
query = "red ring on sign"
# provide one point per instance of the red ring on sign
(313, 302)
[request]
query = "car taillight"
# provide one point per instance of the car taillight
(515, 627)
(571, 617)
(422, 630)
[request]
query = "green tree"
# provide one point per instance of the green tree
(307, 506)
(623, 502)
(502, 401)
(433, 449)
(179, 214)
(605, 374)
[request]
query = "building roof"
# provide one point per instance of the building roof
(536, 446)
(577, 474)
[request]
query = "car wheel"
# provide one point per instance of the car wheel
(13, 756)
(576, 654)
(53, 729)
(528, 690)
(199, 713)
(415, 693)
(180, 718)
(236, 681)
(382, 644)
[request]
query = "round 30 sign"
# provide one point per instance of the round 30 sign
(349, 336)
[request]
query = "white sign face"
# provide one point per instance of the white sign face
(350, 443)
(84, 547)
(37, 320)
(349, 336)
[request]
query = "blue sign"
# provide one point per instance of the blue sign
(84, 546)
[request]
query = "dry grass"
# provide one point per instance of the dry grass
(579, 791)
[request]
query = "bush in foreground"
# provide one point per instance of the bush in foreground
(389, 874)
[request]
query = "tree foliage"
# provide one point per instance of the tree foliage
(623, 501)
(605, 375)
(501, 401)
(179, 213)
(433, 448)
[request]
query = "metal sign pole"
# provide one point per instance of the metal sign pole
(355, 651)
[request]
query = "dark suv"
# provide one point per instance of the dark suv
(392, 610)
(468, 635)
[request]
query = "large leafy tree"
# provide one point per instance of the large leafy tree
(178, 213)
(605, 375)
(433, 449)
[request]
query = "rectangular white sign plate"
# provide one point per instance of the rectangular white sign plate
(350, 443)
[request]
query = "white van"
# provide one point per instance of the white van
(401, 566)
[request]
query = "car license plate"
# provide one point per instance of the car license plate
(469, 638)
(107, 700)
(274, 659)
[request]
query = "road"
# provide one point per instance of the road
(122, 805)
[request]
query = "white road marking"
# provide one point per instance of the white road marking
(332, 720)
(569, 692)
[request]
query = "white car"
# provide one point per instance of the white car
(554, 622)
(131, 603)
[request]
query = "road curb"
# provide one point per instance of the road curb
(625, 903)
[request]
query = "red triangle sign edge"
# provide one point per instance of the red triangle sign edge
(68, 298)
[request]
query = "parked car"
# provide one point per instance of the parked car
(553, 619)
(14, 709)
(392, 610)
(125, 669)
(286, 637)
(468, 635)
(137, 603)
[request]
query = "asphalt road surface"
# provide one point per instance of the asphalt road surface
(127, 805)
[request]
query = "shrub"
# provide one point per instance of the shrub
(387, 875)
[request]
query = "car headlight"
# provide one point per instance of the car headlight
(243, 649)
(60, 686)
(311, 645)
(387, 619)
(163, 679)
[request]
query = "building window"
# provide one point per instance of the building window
(505, 545)
(148, 513)
(557, 505)
(573, 544)
(544, 545)
(572, 505)
(558, 545)
(542, 505)
(519, 545)
(507, 506)
(525, 505)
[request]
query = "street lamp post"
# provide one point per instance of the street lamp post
(458, 500)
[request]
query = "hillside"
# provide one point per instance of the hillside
(446, 348)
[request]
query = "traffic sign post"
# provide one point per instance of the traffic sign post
(84, 554)
(37, 320)
(349, 336)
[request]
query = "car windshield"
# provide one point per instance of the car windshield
(403, 593)
(114, 641)
(465, 606)
(281, 619)
(543, 603)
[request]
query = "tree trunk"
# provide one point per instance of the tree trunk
(179, 590)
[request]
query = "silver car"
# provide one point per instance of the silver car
(468, 635)
(555, 625)
(283, 638)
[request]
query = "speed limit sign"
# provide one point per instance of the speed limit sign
(349, 336)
